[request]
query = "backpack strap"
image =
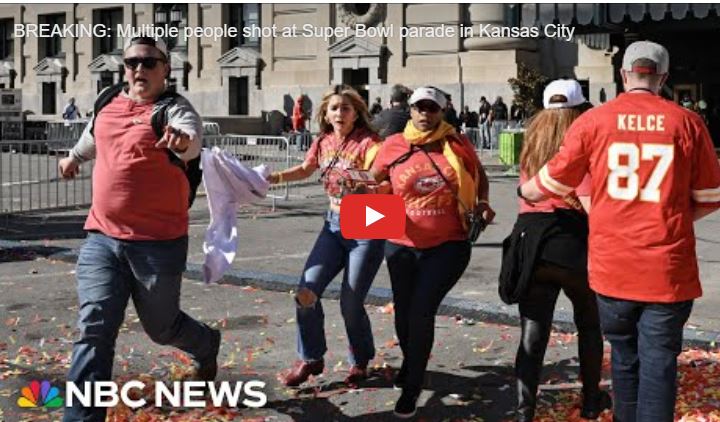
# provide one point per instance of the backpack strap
(406, 156)
(69, 112)
(159, 117)
(104, 98)
(159, 120)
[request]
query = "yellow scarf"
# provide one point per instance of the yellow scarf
(467, 183)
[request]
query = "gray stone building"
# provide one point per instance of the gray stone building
(241, 79)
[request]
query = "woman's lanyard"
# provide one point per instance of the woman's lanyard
(334, 160)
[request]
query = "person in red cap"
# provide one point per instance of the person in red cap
(653, 173)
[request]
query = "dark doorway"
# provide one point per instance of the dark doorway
(239, 91)
(358, 79)
(48, 98)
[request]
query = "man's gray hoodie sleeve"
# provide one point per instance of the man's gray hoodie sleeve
(182, 115)
(84, 149)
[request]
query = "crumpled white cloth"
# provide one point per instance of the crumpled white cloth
(228, 184)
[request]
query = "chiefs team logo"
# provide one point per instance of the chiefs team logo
(425, 185)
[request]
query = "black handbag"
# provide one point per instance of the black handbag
(476, 224)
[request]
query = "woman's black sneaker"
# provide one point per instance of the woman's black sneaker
(594, 406)
(525, 414)
(400, 378)
(406, 405)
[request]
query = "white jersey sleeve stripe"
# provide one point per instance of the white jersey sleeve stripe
(551, 184)
(706, 195)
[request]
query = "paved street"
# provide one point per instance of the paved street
(470, 377)
(470, 373)
(278, 242)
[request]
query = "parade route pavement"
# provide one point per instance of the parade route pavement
(470, 373)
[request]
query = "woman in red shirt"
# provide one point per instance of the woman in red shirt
(437, 173)
(346, 141)
(557, 229)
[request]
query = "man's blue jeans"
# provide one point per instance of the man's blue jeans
(361, 260)
(646, 339)
(109, 272)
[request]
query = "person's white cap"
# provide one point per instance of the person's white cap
(570, 89)
(156, 42)
(428, 93)
(650, 51)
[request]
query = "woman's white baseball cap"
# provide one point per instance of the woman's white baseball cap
(428, 93)
(568, 88)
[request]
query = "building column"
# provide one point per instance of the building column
(492, 16)
(487, 63)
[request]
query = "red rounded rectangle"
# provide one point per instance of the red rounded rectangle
(372, 216)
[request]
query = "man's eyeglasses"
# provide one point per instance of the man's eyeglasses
(147, 62)
(426, 106)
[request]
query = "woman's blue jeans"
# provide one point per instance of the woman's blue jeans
(361, 260)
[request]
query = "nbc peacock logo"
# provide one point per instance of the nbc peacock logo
(40, 394)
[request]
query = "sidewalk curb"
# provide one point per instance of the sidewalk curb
(469, 310)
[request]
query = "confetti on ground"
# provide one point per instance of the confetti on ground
(698, 393)
(698, 373)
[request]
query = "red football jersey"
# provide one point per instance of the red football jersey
(651, 162)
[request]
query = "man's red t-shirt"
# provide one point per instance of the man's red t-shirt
(650, 162)
(138, 194)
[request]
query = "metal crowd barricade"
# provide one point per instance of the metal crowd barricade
(29, 178)
(66, 132)
(480, 137)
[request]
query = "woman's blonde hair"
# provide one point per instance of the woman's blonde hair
(544, 136)
(363, 116)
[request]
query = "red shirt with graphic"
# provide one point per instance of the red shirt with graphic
(651, 162)
(356, 152)
(430, 205)
(138, 194)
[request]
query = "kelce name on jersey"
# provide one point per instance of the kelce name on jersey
(641, 123)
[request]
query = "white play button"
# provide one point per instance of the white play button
(372, 216)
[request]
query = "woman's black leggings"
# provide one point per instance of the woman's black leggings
(536, 312)
(420, 280)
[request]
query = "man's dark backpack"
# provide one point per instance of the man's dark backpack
(158, 121)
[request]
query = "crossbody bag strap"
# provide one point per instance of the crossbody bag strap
(334, 160)
(406, 156)
(447, 182)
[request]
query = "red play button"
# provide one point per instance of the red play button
(372, 216)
